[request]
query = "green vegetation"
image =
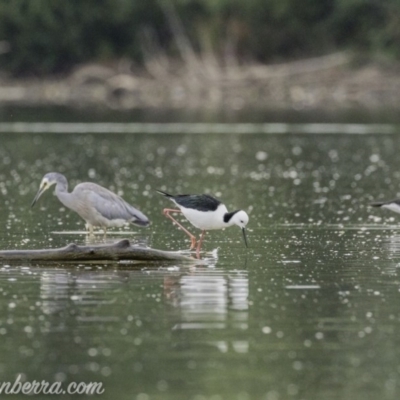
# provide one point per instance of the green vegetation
(51, 36)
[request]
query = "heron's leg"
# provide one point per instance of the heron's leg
(89, 229)
(105, 232)
(200, 242)
(166, 212)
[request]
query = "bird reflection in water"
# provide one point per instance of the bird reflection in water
(211, 299)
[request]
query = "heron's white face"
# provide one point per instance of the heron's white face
(44, 185)
(240, 219)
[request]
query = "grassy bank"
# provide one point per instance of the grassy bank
(330, 82)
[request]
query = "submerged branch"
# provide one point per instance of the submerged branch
(122, 250)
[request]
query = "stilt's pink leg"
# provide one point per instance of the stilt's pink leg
(166, 212)
(200, 242)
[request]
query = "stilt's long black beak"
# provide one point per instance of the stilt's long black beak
(38, 194)
(245, 236)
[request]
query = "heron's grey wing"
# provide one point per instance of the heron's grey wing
(110, 205)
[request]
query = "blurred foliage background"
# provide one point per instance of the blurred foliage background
(43, 37)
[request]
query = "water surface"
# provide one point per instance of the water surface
(309, 311)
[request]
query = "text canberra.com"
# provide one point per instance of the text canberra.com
(43, 387)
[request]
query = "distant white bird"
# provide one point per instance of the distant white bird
(206, 213)
(393, 205)
(97, 205)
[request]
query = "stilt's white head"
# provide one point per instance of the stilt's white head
(241, 219)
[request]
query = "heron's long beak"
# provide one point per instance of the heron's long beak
(38, 194)
(245, 236)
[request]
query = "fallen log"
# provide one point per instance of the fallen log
(122, 250)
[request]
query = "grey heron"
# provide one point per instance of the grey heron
(97, 205)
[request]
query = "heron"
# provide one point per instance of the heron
(95, 204)
(204, 212)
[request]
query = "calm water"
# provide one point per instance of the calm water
(309, 311)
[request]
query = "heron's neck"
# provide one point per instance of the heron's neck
(62, 193)
(62, 186)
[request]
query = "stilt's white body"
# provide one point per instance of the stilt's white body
(206, 220)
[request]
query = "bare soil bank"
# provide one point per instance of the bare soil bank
(331, 82)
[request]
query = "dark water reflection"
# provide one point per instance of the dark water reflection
(309, 311)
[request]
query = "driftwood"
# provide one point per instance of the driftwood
(122, 250)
